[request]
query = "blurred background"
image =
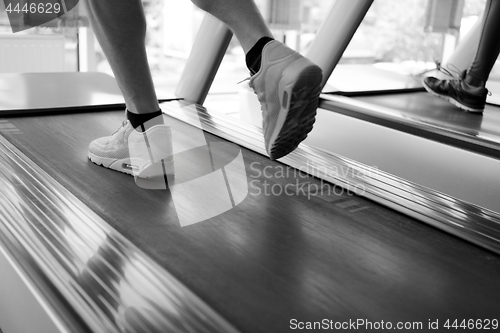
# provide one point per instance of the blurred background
(396, 35)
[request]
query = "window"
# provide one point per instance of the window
(49, 47)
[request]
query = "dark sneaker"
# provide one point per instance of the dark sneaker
(458, 93)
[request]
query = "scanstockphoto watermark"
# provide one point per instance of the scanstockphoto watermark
(264, 180)
(27, 14)
(355, 325)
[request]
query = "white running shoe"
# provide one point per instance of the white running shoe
(288, 87)
(141, 154)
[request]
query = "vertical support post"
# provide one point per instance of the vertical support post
(87, 61)
(336, 32)
(206, 55)
(86, 42)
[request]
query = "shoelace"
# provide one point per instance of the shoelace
(246, 79)
(124, 123)
(451, 70)
(254, 91)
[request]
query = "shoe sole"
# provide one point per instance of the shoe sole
(158, 169)
(302, 86)
(451, 100)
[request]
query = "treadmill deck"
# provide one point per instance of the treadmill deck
(275, 257)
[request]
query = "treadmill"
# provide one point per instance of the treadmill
(321, 240)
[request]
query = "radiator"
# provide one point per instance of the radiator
(31, 53)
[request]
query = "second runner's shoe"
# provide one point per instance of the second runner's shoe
(458, 93)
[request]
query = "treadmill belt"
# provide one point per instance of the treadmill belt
(285, 253)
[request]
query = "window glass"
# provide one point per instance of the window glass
(49, 47)
(402, 35)
(394, 37)
(172, 28)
